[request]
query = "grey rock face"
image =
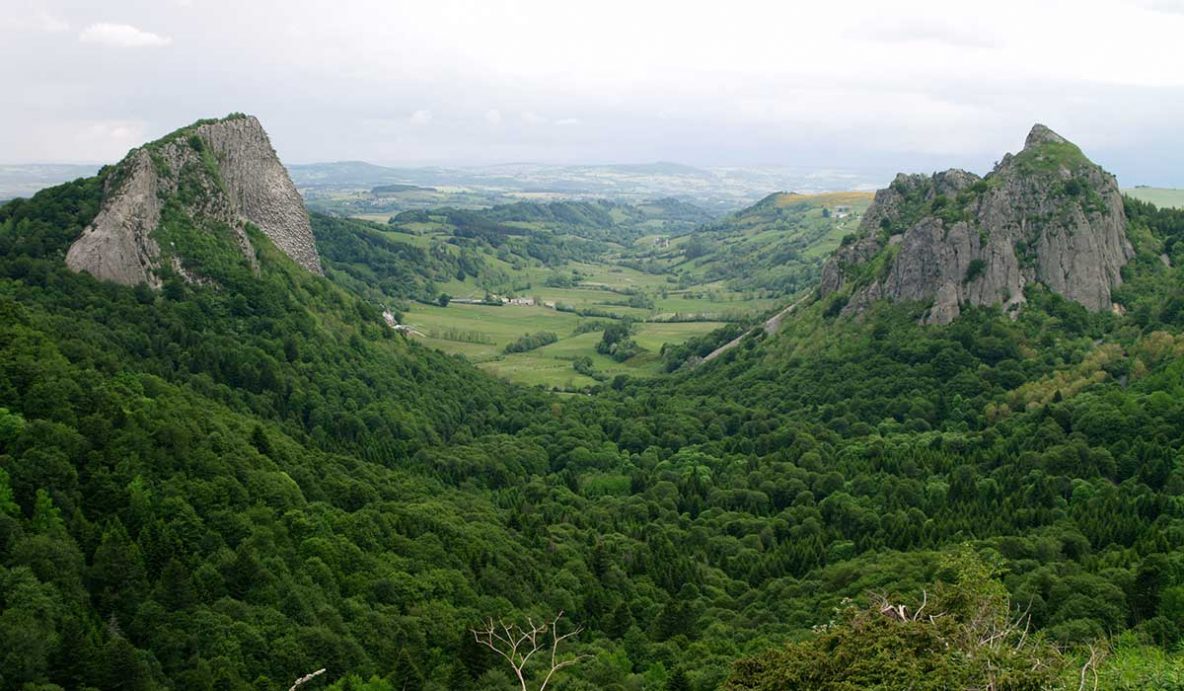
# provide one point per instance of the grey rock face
(249, 185)
(1047, 215)
(118, 244)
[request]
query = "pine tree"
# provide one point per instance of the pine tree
(678, 681)
(406, 676)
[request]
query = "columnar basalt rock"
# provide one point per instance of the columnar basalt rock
(1046, 215)
(240, 180)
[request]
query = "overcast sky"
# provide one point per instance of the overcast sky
(827, 84)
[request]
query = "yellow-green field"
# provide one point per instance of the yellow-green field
(852, 198)
(1162, 197)
(481, 332)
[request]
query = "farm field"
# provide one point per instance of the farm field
(1162, 197)
(481, 333)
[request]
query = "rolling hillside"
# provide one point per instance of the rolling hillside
(777, 245)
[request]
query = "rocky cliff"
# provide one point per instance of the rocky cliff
(216, 175)
(1047, 215)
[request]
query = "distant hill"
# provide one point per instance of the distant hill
(344, 187)
(334, 173)
(659, 168)
(383, 190)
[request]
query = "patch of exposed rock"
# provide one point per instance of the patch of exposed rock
(1046, 215)
(118, 245)
(220, 171)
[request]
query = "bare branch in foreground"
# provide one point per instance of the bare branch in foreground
(306, 678)
(517, 644)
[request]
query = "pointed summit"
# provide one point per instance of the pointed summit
(1042, 135)
(210, 177)
(1046, 215)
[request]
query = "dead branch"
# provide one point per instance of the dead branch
(1091, 665)
(306, 678)
(517, 644)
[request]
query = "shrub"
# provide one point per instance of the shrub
(531, 341)
(975, 269)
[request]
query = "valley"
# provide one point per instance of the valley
(243, 444)
(667, 271)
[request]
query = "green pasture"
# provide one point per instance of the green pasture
(1162, 197)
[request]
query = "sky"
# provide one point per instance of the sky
(835, 84)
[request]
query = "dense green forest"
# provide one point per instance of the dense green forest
(360, 257)
(230, 485)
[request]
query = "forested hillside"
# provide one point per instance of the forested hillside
(232, 482)
(776, 245)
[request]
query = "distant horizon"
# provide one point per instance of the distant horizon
(880, 166)
(704, 168)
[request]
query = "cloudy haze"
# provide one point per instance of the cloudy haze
(858, 85)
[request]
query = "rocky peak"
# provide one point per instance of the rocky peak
(1040, 134)
(1046, 215)
(213, 174)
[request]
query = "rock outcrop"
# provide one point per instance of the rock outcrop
(216, 171)
(1047, 215)
(118, 245)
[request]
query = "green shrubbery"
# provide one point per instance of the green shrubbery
(960, 634)
(617, 342)
(974, 269)
(528, 342)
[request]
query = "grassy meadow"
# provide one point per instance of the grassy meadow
(1163, 197)
(481, 333)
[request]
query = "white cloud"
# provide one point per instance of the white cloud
(493, 116)
(122, 36)
(421, 117)
(532, 118)
(567, 122)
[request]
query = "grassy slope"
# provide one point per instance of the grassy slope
(1162, 197)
